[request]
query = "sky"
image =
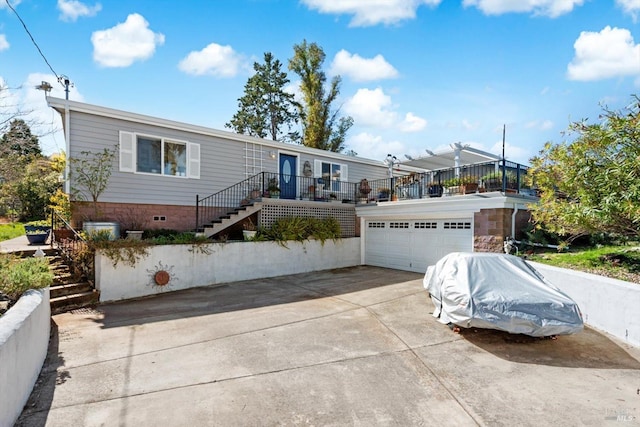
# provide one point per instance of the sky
(416, 74)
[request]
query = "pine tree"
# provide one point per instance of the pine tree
(19, 140)
(265, 108)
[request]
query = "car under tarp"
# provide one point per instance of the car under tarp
(499, 291)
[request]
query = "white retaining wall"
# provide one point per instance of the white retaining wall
(24, 339)
(607, 304)
(188, 266)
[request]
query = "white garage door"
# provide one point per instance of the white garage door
(415, 244)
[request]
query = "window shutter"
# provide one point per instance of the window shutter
(317, 168)
(127, 156)
(194, 160)
(344, 175)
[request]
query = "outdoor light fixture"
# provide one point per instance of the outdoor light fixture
(272, 154)
(45, 86)
(408, 157)
(429, 152)
(390, 161)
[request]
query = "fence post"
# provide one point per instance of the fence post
(197, 209)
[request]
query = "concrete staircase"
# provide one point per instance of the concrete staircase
(231, 218)
(69, 290)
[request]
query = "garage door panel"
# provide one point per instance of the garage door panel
(413, 245)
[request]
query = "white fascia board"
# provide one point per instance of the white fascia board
(442, 207)
(59, 105)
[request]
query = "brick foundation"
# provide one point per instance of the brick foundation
(137, 216)
(493, 226)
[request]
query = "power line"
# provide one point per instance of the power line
(33, 40)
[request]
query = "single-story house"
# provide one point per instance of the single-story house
(169, 174)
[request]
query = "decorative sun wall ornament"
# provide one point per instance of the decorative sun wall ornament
(161, 276)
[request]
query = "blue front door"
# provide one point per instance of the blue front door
(288, 169)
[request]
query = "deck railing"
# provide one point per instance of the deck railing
(264, 185)
(501, 176)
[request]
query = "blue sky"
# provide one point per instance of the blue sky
(416, 74)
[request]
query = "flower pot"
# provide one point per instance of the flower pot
(63, 234)
(249, 234)
(37, 238)
(134, 234)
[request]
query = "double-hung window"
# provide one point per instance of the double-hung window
(159, 156)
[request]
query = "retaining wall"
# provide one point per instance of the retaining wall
(188, 266)
(24, 339)
(607, 304)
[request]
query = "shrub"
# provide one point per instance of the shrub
(20, 275)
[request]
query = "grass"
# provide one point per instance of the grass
(9, 231)
(618, 262)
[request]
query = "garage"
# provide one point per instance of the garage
(414, 244)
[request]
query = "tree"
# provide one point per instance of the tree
(265, 108)
(322, 127)
(91, 172)
(24, 180)
(19, 140)
(592, 184)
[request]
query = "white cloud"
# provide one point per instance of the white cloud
(4, 44)
(542, 125)
(125, 43)
(511, 152)
(43, 120)
(609, 53)
(71, 10)
(412, 123)
(214, 60)
(371, 12)
(632, 7)
(550, 8)
(374, 147)
(14, 3)
(467, 125)
(371, 108)
(362, 69)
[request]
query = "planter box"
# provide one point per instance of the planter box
(37, 238)
(112, 227)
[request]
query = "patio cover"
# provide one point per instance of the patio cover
(446, 159)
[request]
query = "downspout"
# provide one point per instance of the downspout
(67, 133)
(513, 220)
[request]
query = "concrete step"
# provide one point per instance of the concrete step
(69, 289)
(73, 301)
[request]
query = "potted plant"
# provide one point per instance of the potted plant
(134, 223)
(91, 172)
(383, 193)
(37, 232)
(249, 230)
(453, 186)
(273, 189)
(470, 184)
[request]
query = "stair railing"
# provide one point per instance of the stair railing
(72, 246)
(218, 204)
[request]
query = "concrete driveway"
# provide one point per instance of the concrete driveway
(354, 346)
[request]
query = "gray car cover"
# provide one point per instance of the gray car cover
(499, 291)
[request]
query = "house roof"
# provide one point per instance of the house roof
(446, 159)
(61, 105)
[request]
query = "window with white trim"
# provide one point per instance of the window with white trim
(331, 173)
(161, 156)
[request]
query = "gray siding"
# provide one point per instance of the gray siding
(222, 161)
